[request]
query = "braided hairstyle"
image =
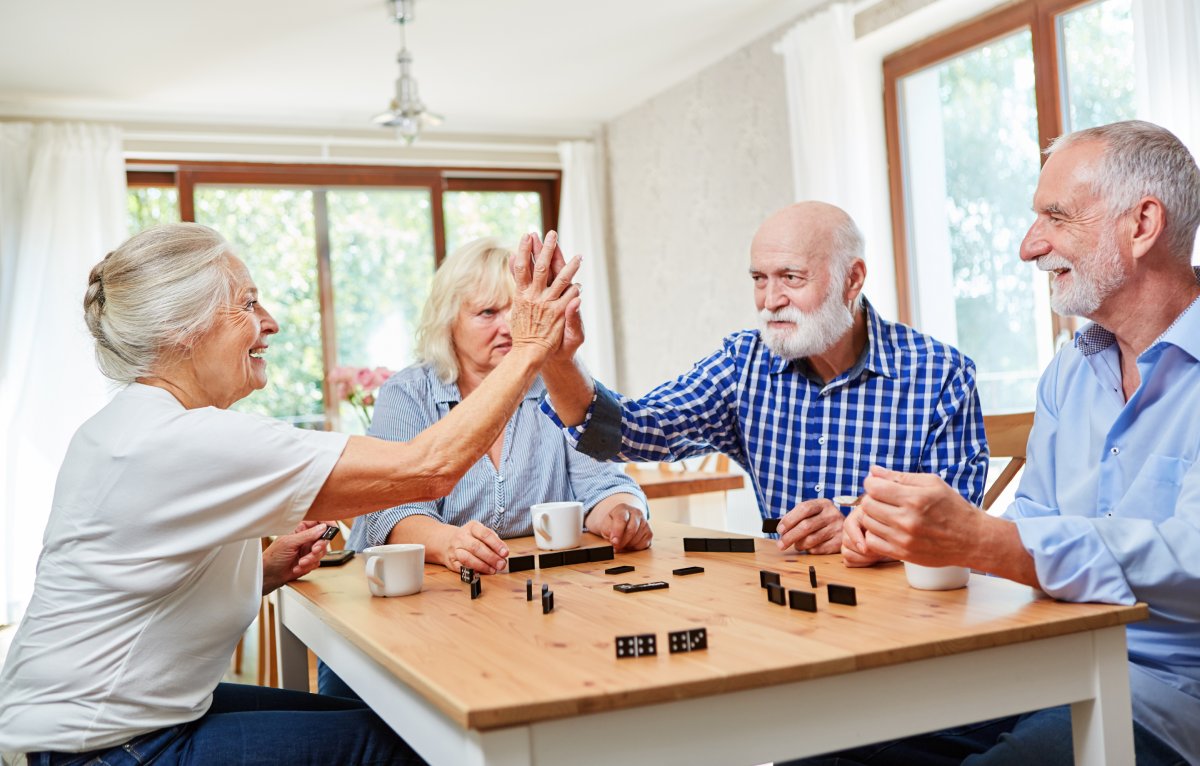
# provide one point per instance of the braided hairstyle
(150, 298)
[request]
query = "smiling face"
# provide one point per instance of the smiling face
(1074, 237)
(480, 336)
(227, 360)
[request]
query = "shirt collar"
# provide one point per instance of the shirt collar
(1184, 332)
(874, 357)
(445, 393)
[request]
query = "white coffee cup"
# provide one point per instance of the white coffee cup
(557, 526)
(395, 570)
(936, 578)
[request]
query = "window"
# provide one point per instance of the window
(343, 257)
(968, 114)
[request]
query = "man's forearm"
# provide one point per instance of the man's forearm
(998, 550)
(571, 390)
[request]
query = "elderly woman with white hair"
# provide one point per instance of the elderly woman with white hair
(151, 567)
(463, 336)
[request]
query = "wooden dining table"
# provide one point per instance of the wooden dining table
(493, 680)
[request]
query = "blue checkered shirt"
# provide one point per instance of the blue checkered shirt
(909, 404)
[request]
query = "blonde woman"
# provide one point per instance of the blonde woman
(464, 335)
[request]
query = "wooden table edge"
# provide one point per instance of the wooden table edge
(490, 718)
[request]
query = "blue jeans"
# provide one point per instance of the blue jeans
(1041, 738)
(331, 684)
(258, 725)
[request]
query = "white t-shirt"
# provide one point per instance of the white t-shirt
(151, 567)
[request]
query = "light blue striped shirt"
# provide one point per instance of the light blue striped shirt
(536, 464)
(909, 404)
(1109, 507)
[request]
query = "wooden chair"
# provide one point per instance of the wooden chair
(1007, 436)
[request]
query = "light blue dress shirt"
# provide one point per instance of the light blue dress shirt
(1109, 507)
(536, 465)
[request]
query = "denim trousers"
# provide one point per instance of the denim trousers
(258, 725)
(1041, 738)
(331, 684)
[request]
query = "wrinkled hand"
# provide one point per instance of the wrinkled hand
(813, 525)
(854, 542)
(544, 295)
(573, 335)
(294, 555)
(917, 517)
(474, 546)
(624, 526)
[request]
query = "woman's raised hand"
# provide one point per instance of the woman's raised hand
(545, 293)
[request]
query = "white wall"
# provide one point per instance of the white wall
(692, 173)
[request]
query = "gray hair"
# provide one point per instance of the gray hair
(846, 248)
(156, 291)
(1141, 159)
(479, 270)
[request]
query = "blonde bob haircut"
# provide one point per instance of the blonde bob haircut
(476, 272)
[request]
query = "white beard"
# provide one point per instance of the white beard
(812, 332)
(1091, 280)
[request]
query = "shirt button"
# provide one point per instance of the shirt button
(1115, 450)
(501, 509)
(821, 440)
(819, 487)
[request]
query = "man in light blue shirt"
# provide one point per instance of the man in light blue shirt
(1109, 507)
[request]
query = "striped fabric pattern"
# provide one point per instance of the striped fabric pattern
(910, 404)
(536, 464)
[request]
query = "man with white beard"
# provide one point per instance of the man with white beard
(808, 403)
(1109, 506)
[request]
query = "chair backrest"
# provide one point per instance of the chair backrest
(1007, 436)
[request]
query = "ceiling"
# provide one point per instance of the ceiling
(523, 67)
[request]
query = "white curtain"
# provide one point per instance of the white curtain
(1166, 45)
(825, 116)
(62, 207)
(582, 228)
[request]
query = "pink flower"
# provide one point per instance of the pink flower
(356, 385)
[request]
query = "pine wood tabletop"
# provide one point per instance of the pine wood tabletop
(497, 661)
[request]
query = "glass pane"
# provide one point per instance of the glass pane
(381, 259)
(272, 231)
(1097, 64)
(971, 163)
(150, 205)
(503, 215)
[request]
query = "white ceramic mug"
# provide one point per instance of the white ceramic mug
(395, 570)
(557, 526)
(936, 578)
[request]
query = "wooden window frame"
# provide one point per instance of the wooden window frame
(184, 176)
(1040, 17)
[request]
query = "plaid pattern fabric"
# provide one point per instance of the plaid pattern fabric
(909, 404)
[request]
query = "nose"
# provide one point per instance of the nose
(1034, 245)
(774, 296)
(502, 324)
(268, 324)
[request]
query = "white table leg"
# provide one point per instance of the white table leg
(293, 653)
(1102, 727)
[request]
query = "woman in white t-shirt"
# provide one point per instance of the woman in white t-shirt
(151, 567)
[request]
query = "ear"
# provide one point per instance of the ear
(1149, 222)
(855, 277)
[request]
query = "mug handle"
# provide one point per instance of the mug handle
(373, 563)
(541, 525)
